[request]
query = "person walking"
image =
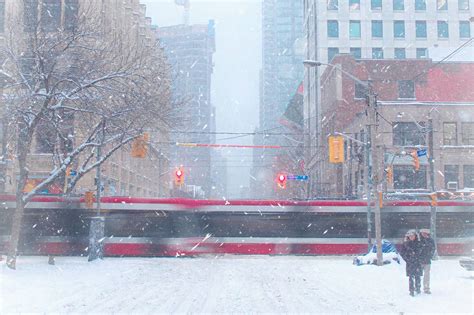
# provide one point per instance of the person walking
(427, 245)
(410, 252)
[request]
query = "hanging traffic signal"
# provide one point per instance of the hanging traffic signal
(336, 149)
(89, 199)
(416, 160)
(389, 171)
(140, 146)
(281, 181)
(179, 177)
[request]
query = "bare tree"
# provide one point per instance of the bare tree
(78, 88)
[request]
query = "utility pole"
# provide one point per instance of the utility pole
(377, 169)
(368, 184)
(432, 183)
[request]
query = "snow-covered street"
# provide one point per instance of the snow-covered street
(228, 284)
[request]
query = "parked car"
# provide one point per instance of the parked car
(467, 263)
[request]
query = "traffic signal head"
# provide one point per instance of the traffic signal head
(140, 146)
(89, 199)
(336, 149)
(281, 180)
(416, 160)
(179, 177)
(389, 171)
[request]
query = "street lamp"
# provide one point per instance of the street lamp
(376, 173)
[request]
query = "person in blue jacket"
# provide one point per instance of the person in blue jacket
(410, 252)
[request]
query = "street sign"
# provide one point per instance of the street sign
(73, 173)
(421, 152)
(298, 177)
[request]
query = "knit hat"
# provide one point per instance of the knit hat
(427, 231)
(410, 232)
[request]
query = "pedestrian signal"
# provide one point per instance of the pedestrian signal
(89, 199)
(416, 160)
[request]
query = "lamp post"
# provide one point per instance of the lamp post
(377, 167)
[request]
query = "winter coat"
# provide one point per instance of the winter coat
(427, 250)
(410, 252)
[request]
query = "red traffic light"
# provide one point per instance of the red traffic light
(281, 179)
(179, 177)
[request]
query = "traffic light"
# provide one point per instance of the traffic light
(89, 199)
(140, 146)
(389, 171)
(179, 177)
(434, 199)
(336, 149)
(281, 181)
(416, 160)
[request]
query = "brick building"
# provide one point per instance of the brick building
(410, 93)
(121, 174)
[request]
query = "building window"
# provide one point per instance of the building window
(2, 16)
(420, 5)
(333, 5)
(404, 177)
(71, 14)
(30, 15)
(468, 172)
(451, 174)
(443, 30)
(408, 134)
(332, 51)
(463, 5)
(376, 4)
(356, 52)
(468, 133)
(377, 53)
(50, 15)
(377, 29)
(360, 91)
(406, 89)
(398, 5)
(420, 29)
(464, 29)
(354, 29)
(421, 53)
(333, 29)
(400, 53)
(354, 5)
(442, 5)
(450, 134)
(399, 29)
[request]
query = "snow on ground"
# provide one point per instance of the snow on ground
(227, 284)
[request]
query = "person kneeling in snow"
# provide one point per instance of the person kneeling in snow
(410, 252)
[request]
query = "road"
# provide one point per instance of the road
(227, 284)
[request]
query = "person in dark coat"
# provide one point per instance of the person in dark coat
(410, 252)
(427, 252)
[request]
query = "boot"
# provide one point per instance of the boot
(427, 291)
(418, 291)
(412, 293)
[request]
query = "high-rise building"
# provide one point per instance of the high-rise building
(376, 29)
(190, 49)
(282, 72)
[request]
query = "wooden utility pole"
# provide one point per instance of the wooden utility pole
(377, 170)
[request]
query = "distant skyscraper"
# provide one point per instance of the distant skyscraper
(190, 50)
(282, 72)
